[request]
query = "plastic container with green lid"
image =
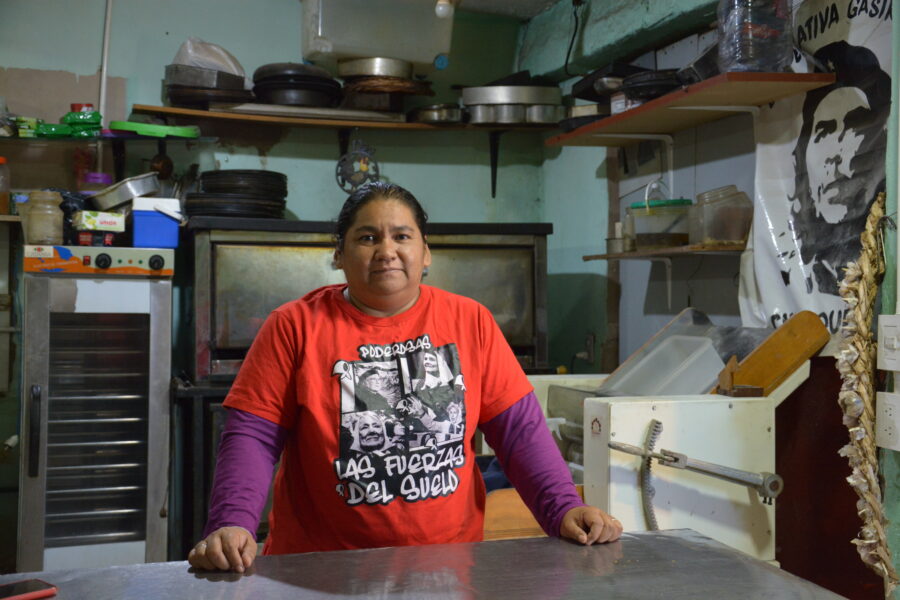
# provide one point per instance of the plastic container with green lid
(658, 223)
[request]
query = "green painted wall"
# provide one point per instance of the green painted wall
(448, 170)
(576, 203)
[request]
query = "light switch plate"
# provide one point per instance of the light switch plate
(888, 342)
(887, 420)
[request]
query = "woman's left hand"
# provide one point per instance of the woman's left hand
(588, 524)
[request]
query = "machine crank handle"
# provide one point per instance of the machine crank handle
(767, 485)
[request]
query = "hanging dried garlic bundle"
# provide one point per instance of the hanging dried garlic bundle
(856, 363)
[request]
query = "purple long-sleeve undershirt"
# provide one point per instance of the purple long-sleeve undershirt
(248, 452)
(532, 462)
(250, 448)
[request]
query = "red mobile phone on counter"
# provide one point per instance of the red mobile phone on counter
(27, 589)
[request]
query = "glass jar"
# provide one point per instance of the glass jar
(44, 219)
(94, 182)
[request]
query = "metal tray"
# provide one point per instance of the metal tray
(202, 78)
(124, 191)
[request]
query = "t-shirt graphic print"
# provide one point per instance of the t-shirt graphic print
(402, 423)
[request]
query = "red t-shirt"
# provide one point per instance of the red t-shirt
(381, 414)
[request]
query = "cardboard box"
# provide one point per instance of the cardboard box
(92, 220)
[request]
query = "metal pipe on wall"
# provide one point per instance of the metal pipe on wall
(107, 24)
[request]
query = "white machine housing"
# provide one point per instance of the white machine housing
(732, 432)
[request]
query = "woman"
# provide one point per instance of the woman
(295, 397)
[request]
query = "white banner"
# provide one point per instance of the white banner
(820, 161)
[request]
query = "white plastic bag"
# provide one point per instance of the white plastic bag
(197, 53)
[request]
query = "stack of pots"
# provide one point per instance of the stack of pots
(295, 84)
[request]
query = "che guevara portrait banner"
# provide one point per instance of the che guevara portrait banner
(820, 162)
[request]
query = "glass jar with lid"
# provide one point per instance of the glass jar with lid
(94, 182)
(44, 218)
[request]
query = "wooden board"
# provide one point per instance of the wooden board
(799, 339)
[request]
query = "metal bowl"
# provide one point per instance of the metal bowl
(124, 191)
(375, 67)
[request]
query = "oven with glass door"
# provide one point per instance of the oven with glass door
(95, 410)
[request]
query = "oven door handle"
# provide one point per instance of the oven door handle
(34, 431)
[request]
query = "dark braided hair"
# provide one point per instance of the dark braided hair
(375, 190)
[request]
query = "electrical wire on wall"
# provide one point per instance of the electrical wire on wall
(576, 5)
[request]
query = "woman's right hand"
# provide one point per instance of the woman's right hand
(225, 549)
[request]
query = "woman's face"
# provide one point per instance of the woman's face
(371, 433)
(383, 256)
(430, 362)
(833, 144)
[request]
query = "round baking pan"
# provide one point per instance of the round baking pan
(229, 187)
(261, 174)
(232, 205)
(544, 113)
(496, 114)
(650, 84)
(262, 199)
(244, 187)
(313, 86)
(294, 97)
(436, 113)
(312, 83)
(375, 67)
(180, 95)
(289, 69)
(244, 180)
(511, 94)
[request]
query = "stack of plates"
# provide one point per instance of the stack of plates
(239, 193)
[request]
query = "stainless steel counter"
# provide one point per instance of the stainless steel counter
(666, 564)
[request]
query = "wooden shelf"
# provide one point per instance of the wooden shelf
(190, 113)
(671, 252)
(710, 99)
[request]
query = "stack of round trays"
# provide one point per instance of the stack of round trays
(239, 193)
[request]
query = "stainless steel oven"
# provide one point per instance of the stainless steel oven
(95, 409)
(245, 268)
